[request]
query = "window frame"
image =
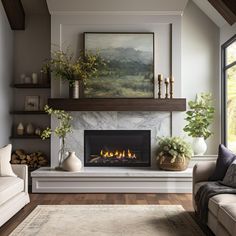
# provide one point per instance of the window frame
(224, 68)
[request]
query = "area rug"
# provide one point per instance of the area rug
(112, 220)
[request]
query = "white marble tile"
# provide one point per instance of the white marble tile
(157, 122)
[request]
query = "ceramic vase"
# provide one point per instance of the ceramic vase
(74, 90)
(72, 163)
(20, 129)
(199, 146)
(30, 129)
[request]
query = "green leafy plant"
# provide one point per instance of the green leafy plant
(200, 116)
(64, 65)
(64, 127)
(176, 147)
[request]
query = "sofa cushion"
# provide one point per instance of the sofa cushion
(9, 187)
(5, 157)
(230, 176)
(227, 217)
(224, 160)
(220, 199)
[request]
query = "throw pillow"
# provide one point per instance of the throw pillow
(224, 160)
(230, 176)
(5, 157)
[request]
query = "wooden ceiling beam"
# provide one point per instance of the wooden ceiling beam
(15, 13)
(227, 8)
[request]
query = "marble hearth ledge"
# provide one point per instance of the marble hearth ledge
(115, 180)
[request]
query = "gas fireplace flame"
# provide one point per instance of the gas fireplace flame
(118, 154)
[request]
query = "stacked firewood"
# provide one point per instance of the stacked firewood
(33, 160)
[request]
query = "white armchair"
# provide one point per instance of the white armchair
(13, 193)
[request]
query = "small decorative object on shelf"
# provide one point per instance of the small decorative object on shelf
(173, 153)
(38, 131)
(167, 85)
(22, 78)
(20, 129)
(72, 163)
(172, 80)
(65, 66)
(60, 131)
(27, 80)
(34, 78)
(29, 129)
(32, 103)
(33, 160)
(199, 117)
(160, 79)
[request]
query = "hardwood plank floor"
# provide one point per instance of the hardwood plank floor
(59, 199)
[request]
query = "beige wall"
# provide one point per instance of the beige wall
(6, 62)
(32, 46)
(200, 62)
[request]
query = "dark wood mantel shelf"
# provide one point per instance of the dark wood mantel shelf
(92, 104)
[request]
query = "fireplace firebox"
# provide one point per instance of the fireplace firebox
(130, 148)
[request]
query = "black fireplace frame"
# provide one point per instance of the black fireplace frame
(146, 133)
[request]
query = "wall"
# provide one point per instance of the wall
(31, 48)
(200, 63)
(226, 32)
(6, 64)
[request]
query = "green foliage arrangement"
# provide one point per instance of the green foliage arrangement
(61, 130)
(200, 116)
(176, 147)
(64, 65)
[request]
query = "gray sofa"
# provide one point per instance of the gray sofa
(221, 208)
(13, 193)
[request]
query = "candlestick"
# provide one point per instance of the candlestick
(160, 78)
(167, 84)
(171, 86)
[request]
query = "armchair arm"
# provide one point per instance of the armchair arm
(22, 172)
(202, 171)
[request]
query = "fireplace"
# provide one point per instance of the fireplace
(117, 148)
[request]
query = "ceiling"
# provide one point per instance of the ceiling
(35, 7)
(62, 6)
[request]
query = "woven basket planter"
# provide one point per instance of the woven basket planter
(167, 163)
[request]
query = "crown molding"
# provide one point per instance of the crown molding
(122, 13)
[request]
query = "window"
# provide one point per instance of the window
(229, 93)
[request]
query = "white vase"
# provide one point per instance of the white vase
(199, 146)
(72, 163)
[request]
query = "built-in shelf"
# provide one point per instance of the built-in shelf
(28, 113)
(132, 104)
(32, 86)
(15, 136)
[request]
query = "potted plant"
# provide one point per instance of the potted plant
(74, 70)
(173, 153)
(71, 163)
(199, 117)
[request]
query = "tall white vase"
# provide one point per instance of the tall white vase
(199, 146)
(72, 163)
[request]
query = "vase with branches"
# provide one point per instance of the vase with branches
(74, 69)
(64, 127)
(199, 117)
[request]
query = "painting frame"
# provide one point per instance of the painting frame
(32, 103)
(152, 54)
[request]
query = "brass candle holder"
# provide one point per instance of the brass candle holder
(167, 85)
(160, 79)
(171, 86)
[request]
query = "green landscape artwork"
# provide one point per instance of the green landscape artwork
(129, 70)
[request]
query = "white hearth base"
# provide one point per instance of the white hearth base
(111, 180)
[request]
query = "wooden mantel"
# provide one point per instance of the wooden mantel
(105, 104)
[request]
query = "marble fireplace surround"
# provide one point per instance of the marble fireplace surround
(158, 123)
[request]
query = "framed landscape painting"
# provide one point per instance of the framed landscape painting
(129, 71)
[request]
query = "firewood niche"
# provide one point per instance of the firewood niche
(33, 160)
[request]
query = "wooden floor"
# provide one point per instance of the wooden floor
(59, 199)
